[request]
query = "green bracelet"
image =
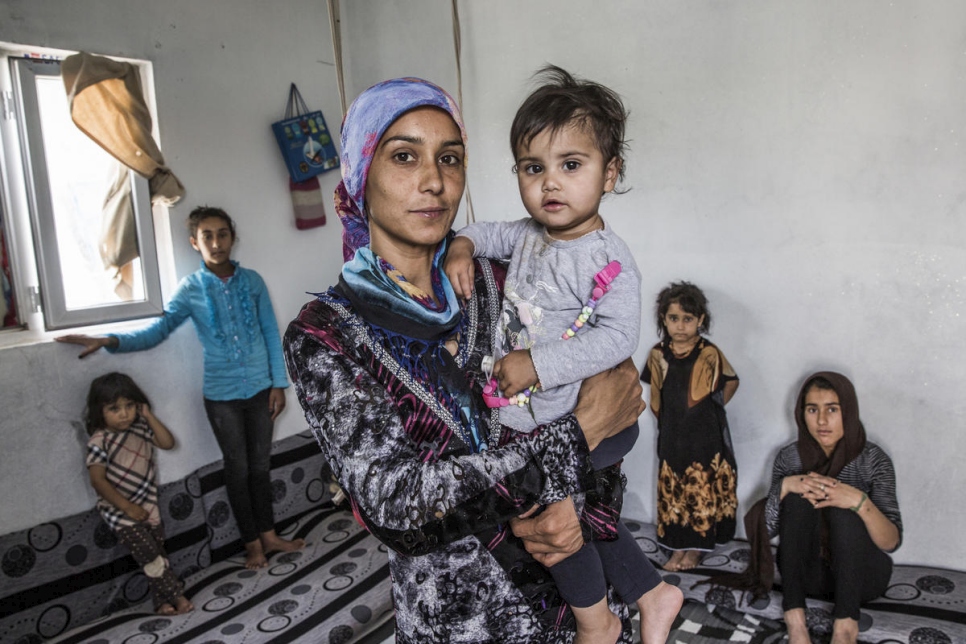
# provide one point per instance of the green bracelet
(864, 497)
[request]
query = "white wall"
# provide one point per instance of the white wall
(222, 70)
(802, 162)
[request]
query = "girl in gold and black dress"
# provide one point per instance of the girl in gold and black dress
(691, 381)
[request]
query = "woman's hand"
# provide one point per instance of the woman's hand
(609, 402)
(90, 343)
(830, 493)
(551, 536)
(276, 402)
(459, 266)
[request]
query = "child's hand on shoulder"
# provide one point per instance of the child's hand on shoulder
(136, 512)
(515, 372)
(459, 266)
(144, 410)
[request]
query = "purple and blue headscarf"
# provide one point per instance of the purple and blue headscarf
(369, 116)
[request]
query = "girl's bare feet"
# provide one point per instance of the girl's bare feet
(674, 563)
(182, 605)
(690, 560)
(596, 624)
(659, 606)
(845, 631)
(255, 555)
(271, 542)
(795, 625)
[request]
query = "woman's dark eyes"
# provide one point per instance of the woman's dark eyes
(402, 157)
(450, 159)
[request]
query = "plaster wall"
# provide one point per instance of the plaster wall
(801, 162)
(222, 71)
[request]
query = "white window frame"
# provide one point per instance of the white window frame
(28, 214)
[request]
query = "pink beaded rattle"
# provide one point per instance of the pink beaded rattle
(603, 279)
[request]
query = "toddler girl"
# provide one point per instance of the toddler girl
(244, 371)
(571, 309)
(691, 381)
(120, 462)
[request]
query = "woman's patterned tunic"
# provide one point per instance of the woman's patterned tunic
(382, 408)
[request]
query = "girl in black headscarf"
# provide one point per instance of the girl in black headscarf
(832, 502)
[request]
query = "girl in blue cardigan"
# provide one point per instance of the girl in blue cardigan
(244, 371)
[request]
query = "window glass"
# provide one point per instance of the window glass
(79, 172)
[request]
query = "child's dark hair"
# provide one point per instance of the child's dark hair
(105, 390)
(201, 213)
(689, 297)
(562, 99)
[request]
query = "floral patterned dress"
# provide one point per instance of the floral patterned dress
(697, 478)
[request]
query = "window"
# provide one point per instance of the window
(61, 185)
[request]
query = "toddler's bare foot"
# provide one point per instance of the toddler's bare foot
(690, 560)
(182, 605)
(254, 555)
(795, 625)
(596, 624)
(166, 609)
(659, 606)
(845, 631)
(674, 563)
(271, 542)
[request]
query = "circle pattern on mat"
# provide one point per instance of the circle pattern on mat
(340, 525)
(155, 625)
(274, 623)
(742, 555)
(142, 638)
(865, 622)
(648, 546)
(298, 474)
(219, 514)
(715, 561)
(104, 537)
(283, 607)
(927, 635)
(935, 585)
(180, 506)
(301, 589)
(902, 592)
(362, 614)
(76, 555)
(18, 561)
(720, 597)
(819, 621)
(45, 537)
(229, 588)
(279, 490)
(343, 568)
(315, 490)
(340, 634)
(232, 629)
(53, 621)
(135, 588)
(218, 604)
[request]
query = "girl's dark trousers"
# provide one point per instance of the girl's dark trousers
(854, 571)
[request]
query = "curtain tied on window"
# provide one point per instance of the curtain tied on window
(107, 104)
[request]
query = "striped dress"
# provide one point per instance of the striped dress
(871, 472)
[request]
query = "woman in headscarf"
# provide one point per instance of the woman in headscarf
(387, 366)
(833, 505)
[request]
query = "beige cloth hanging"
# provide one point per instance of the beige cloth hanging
(107, 104)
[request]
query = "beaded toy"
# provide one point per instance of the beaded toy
(491, 395)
